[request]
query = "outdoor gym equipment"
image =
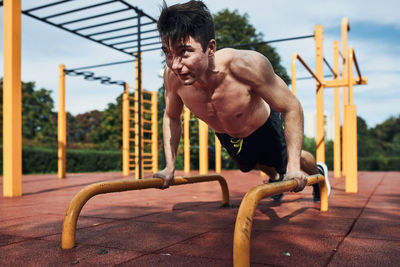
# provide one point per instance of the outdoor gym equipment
(77, 203)
(244, 219)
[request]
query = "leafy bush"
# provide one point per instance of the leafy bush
(44, 160)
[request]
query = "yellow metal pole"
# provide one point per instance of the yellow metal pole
(344, 29)
(337, 140)
(319, 64)
(294, 59)
(141, 156)
(125, 131)
(12, 98)
(62, 125)
(217, 155)
(154, 129)
(244, 219)
(136, 107)
(77, 203)
(203, 147)
(186, 140)
(351, 183)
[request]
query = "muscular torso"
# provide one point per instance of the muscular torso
(230, 107)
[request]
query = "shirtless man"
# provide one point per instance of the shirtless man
(235, 92)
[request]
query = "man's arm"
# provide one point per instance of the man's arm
(260, 75)
(172, 129)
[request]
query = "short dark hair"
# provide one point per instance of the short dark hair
(178, 22)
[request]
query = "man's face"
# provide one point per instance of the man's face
(186, 59)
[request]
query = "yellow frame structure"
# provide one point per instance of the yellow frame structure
(203, 146)
(244, 219)
(61, 125)
(80, 199)
(12, 100)
(347, 81)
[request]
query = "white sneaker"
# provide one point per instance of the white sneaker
(323, 169)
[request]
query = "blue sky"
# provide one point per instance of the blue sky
(374, 34)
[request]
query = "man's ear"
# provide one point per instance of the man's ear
(212, 47)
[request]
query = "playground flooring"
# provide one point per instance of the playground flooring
(185, 225)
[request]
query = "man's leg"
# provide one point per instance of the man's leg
(271, 172)
(274, 176)
(310, 167)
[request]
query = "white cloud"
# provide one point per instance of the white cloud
(44, 47)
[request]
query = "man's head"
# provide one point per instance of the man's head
(179, 22)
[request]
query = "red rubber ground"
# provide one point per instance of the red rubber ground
(185, 226)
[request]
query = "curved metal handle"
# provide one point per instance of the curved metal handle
(77, 203)
(244, 219)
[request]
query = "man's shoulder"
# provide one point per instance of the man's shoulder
(243, 63)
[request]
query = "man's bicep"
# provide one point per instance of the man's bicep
(173, 104)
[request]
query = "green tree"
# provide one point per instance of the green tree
(39, 121)
(368, 145)
(388, 134)
(231, 28)
(81, 126)
(108, 133)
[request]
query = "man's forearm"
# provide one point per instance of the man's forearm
(294, 131)
(172, 130)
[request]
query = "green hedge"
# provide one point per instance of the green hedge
(43, 160)
(379, 164)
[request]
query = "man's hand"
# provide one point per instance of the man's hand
(300, 177)
(166, 175)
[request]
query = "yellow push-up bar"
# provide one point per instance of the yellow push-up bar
(77, 203)
(244, 219)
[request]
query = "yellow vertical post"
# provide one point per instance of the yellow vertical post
(203, 147)
(12, 98)
(154, 129)
(351, 183)
(136, 110)
(294, 58)
(62, 125)
(217, 155)
(125, 131)
(186, 140)
(344, 29)
(141, 132)
(319, 64)
(336, 142)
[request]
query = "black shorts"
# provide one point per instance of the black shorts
(266, 146)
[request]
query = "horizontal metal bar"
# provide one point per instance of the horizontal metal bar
(77, 203)
(244, 219)
(310, 77)
(139, 11)
(94, 16)
(126, 35)
(145, 50)
(135, 40)
(118, 29)
(78, 9)
(45, 6)
(142, 45)
(68, 30)
(270, 41)
(345, 83)
(104, 65)
(104, 24)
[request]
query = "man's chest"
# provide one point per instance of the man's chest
(228, 100)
